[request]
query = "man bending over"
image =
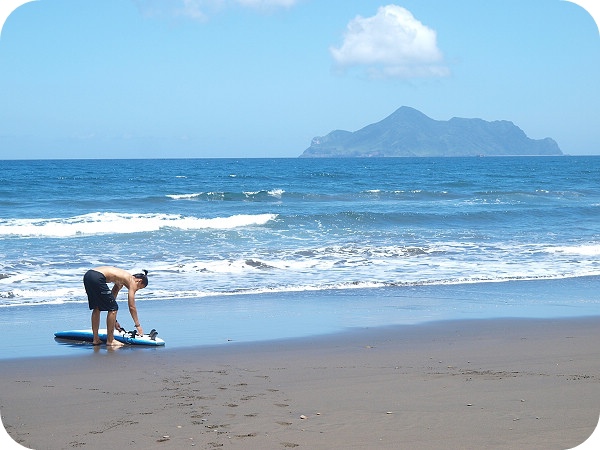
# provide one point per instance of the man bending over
(102, 298)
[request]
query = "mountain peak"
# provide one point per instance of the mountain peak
(409, 132)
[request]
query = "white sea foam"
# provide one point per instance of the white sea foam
(583, 250)
(181, 274)
(323, 269)
(118, 223)
(277, 193)
(11, 279)
(184, 196)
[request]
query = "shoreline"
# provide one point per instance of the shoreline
(222, 320)
(474, 383)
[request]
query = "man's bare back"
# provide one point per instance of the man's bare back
(116, 275)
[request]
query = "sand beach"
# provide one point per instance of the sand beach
(461, 384)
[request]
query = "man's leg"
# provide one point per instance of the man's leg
(111, 318)
(95, 325)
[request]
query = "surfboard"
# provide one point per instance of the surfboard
(127, 337)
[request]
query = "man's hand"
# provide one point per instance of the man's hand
(139, 330)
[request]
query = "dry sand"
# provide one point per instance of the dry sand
(522, 384)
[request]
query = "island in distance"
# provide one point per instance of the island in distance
(408, 132)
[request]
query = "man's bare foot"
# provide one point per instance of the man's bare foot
(96, 343)
(114, 344)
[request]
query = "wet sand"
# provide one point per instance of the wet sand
(505, 383)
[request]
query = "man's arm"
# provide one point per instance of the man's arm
(133, 310)
(115, 290)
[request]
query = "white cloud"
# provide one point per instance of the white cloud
(198, 10)
(267, 3)
(194, 9)
(392, 43)
(201, 10)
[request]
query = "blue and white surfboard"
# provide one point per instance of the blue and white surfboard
(127, 337)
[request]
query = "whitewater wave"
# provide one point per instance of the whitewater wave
(268, 268)
(20, 298)
(245, 195)
(118, 223)
(582, 250)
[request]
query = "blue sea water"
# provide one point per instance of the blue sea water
(221, 232)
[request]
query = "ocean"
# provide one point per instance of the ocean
(270, 248)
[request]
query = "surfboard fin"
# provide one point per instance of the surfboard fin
(153, 334)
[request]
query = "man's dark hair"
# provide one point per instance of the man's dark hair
(143, 276)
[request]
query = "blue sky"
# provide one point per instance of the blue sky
(261, 78)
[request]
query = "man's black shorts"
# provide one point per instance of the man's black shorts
(99, 294)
